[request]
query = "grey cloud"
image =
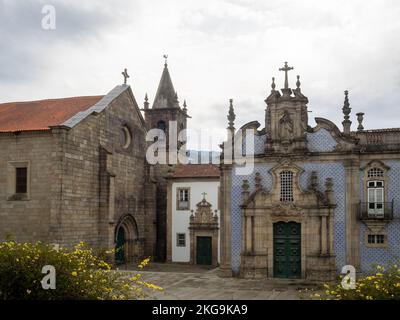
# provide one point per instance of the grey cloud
(25, 45)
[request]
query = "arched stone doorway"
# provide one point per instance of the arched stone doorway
(126, 240)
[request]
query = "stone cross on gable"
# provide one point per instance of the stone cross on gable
(204, 195)
(125, 74)
(286, 68)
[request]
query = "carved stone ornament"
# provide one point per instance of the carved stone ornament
(203, 214)
(287, 209)
(286, 126)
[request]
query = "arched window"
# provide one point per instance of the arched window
(162, 125)
(286, 186)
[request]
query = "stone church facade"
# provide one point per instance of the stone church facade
(319, 198)
(75, 169)
(86, 177)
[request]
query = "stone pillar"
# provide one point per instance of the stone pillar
(225, 221)
(352, 167)
(324, 236)
(249, 234)
(169, 221)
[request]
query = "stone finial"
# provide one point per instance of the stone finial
(231, 116)
(245, 185)
(314, 180)
(360, 118)
(346, 111)
(245, 191)
(298, 83)
(329, 190)
(273, 85)
(257, 180)
(146, 102)
(184, 106)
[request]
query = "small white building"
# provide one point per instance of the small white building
(193, 214)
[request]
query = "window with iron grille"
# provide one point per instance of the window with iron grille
(183, 199)
(21, 180)
(286, 186)
(375, 172)
(376, 238)
(181, 239)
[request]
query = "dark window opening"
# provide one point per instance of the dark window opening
(21, 183)
(376, 239)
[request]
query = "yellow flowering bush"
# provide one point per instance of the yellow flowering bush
(382, 284)
(80, 274)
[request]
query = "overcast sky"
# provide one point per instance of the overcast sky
(217, 50)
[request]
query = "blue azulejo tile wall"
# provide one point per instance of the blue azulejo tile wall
(390, 253)
(334, 170)
(320, 141)
(236, 201)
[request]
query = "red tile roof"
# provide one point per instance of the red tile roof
(39, 115)
(195, 170)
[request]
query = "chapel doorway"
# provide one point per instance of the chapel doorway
(204, 250)
(127, 248)
(120, 246)
(287, 250)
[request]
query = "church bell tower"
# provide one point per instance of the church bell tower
(165, 113)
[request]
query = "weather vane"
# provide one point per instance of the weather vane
(166, 58)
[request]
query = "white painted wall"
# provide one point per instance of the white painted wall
(181, 218)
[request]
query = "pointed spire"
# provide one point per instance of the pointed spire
(346, 111)
(184, 106)
(166, 94)
(231, 116)
(146, 102)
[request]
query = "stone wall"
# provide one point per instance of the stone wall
(83, 181)
(27, 220)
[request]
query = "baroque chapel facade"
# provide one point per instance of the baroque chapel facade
(319, 198)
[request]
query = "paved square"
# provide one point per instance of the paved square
(182, 282)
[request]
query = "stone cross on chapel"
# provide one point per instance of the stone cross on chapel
(125, 74)
(286, 68)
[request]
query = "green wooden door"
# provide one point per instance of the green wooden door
(204, 250)
(120, 246)
(287, 250)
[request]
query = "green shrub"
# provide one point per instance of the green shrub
(80, 274)
(383, 284)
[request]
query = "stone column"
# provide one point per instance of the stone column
(225, 228)
(249, 234)
(169, 221)
(324, 236)
(352, 167)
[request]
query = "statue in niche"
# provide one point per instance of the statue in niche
(285, 127)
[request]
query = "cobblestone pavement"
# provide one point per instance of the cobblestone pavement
(196, 283)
